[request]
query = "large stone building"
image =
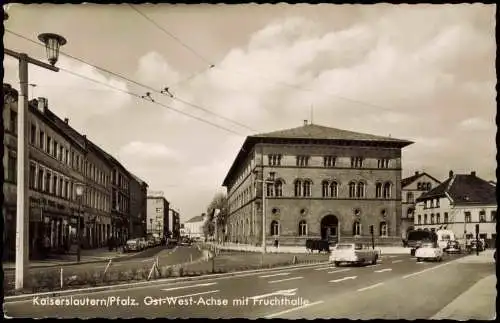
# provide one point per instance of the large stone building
(324, 183)
(138, 207)
(458, 204)
(193, 228)
(413, 187)
(157, 215)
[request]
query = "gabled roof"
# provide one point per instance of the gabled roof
(408, 180)
(312, 133)
(197, 218)
(464, 189)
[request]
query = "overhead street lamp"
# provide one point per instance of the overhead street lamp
(264, 182)
(79, 189)
(52, 43)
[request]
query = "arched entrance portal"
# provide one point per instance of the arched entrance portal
(329, 228)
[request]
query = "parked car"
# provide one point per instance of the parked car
(475, 244)
(150, 242)
(429, 251)
(453, 247)
(316, 244)
(143, 243)
(353, 253)
(132, 245)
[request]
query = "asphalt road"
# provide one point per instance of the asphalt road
(165, 256)
(397, 287)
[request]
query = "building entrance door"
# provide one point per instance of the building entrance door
(329, 228)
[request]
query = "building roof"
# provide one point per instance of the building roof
(137, 179)
(312, 133)
(408, 180)
(198, 218)
(464, 189)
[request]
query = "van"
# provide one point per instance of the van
(417, 237)
(443, 237)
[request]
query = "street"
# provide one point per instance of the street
(174, 256)
(397, 287)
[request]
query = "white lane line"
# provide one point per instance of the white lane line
(292, 309)
(373, 265)
(325, 268)
(392, 256)
(396, 261)
(370, 287)
(190, 286)
(342, 279)
(425, 270)
(285, 292)
(195, 294)
(284, 280)
(147, 260)
(383, 270)
(338, 271)
(281, 274)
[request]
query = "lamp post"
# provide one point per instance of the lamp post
(264, 182)
(79, 188)
(52, 44)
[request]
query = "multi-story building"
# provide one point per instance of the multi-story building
(458, 204)
(157, 215)
(120, 200)
(321, 182)
(56, 164)
(138, 207)
(193, 227)
(176, 224)
(412, 188)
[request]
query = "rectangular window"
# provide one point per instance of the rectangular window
(468, 218)
(356, 162)
(274, 160)
(60, 188)
(33, 134)
(482, 216)
(71, 193)
(13, 121)
(493, 216)
(302, 161)
(49, 144)
(445, 217)
(54, 185)
(11, 167)
(329, 161)
(42, 140)
(383, 163)
(66, 158)
(65, 190)
(47, 182)
(54, 149)
(32, 175)
(40, 180)
(158, 210)
(61, 153)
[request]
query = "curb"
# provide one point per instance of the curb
(25, 297)
(74, 263)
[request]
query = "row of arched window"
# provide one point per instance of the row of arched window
(302, 188)
(356, 228)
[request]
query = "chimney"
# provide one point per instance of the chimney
(473, 173)
(451, 173)
(42, 104)
(416, 173)
(305, 122)
(66, 120)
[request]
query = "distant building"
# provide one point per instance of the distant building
(458, 204)
(194, 226)
(412, 188)
(157, 215)
(176, 224)
(138, 207)
(321, 182)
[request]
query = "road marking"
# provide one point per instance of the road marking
(282, 274)
(196, 294)
(338, 271)
(292, 309)
(370, 287)
(392, 256)
(342, 279)
(425, 270)
(147, 260)
(190, 286)
(373, 265)
(325, 268)
(396, 261)
(285, 292)
(283, 280)
(382, 270)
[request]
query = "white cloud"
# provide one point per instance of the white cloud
(148, 150)
(475, 124)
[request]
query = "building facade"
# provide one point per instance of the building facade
(138, 207)
(193, 228)
(157, 215)
(458, 204)
(412, 188)
(321, 182)
(120, 200)
(176, 224)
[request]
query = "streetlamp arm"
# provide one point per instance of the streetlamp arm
(31, 60)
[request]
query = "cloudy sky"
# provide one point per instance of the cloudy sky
(418, 72)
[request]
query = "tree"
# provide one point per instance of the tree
(220, 203)
(208, 228)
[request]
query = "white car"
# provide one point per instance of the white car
(353, 253)
(429, 251)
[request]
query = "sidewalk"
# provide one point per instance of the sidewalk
(483, 257)
(86, 256)
(297, 249)
(477, 303)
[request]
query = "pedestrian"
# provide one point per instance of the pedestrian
(46, 246)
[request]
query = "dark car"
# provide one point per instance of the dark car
(476, 245)
(320, 245)
(453, 247)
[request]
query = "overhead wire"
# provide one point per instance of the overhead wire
(138, 83)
